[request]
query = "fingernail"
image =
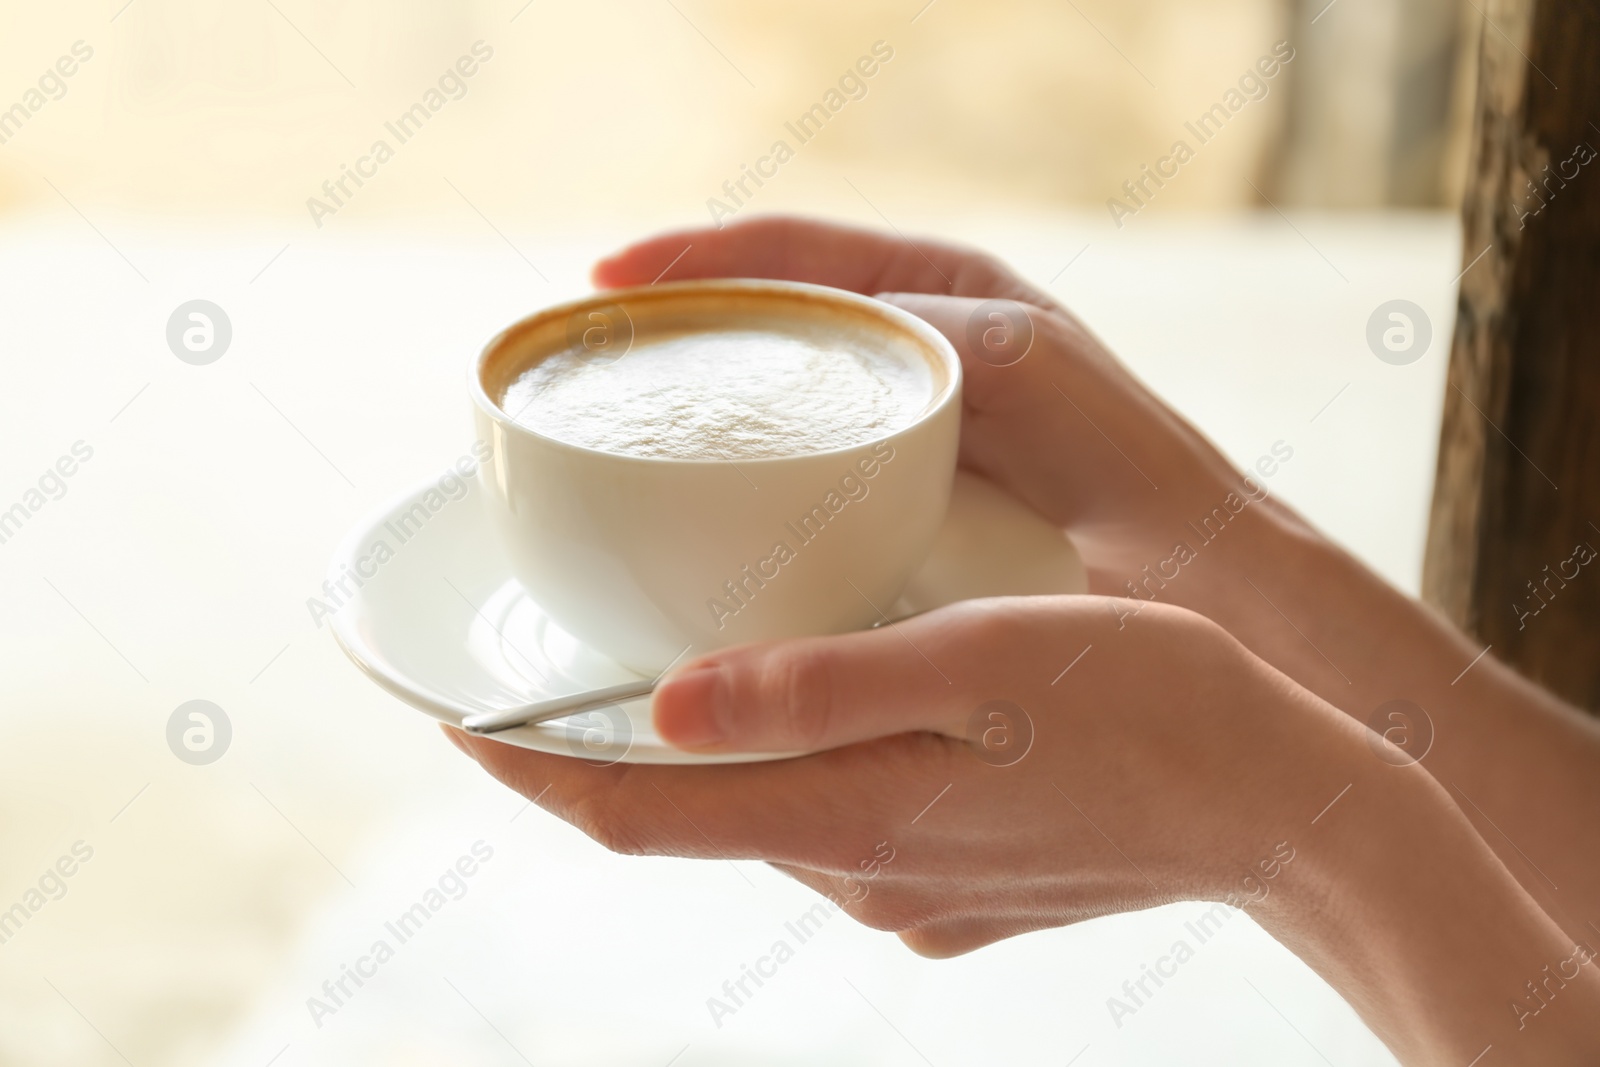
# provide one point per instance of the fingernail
(689, 708)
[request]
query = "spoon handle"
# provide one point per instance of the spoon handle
(490, 722)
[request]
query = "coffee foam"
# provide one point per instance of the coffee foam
(723, 383)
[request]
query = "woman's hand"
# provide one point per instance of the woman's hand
(980, 777)
(1016, 783)
(1155, 510)
(1015, 793)
(1048, 412)
(1160, 516)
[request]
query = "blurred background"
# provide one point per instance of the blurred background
(154, 152)
(241, 109)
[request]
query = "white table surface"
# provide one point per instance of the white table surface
(178, 563)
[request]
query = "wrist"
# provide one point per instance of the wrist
(1518, 762)
(1401, 906)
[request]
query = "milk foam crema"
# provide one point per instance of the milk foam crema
(747, 391)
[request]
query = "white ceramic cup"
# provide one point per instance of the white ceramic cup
(650, 559)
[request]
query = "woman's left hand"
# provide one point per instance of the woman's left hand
(1002, 766)
(1026, 762)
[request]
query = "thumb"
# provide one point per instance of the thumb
(823, 692)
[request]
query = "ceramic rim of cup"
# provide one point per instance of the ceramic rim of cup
(941, 354)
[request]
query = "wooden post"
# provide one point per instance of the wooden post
(1516, 509)
(1370, 101)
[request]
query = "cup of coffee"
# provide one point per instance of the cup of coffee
(683, 467)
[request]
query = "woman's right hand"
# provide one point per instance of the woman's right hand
(1048, 413)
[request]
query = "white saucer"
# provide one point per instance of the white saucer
(441, 623)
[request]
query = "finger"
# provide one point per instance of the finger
(948, 939)
(842, 890)
(455, 737)
(924, 674)
(1049, 414)
(868, 901)
(823, 812)
(1019, 364)
(806, 250)
(559, 784)
(1010, 350)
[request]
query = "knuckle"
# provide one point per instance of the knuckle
(992, 623)
(799, 696)
(1180, 628)
(922, 940)
(986, 272)
(933, 942)
(889, 911)
(607, 827)
(874, 912)
(1065, 342)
